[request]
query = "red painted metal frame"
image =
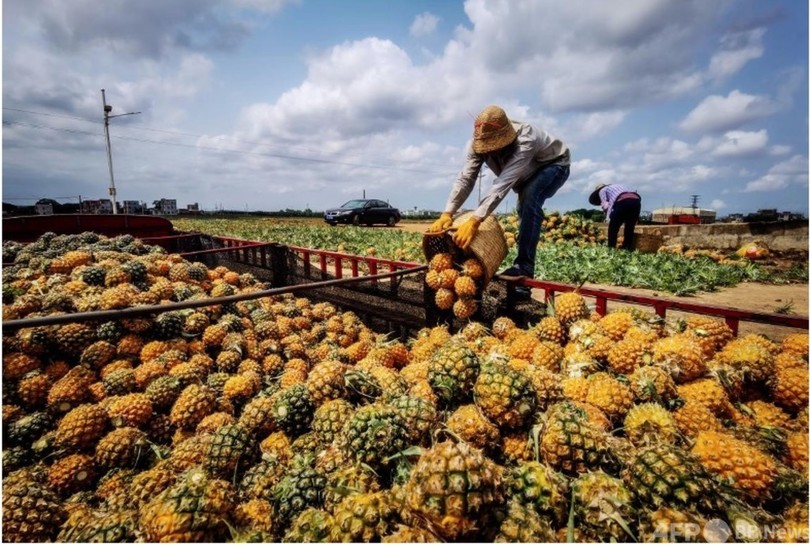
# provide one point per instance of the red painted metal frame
(732, 316)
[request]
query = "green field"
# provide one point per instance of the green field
(562, 262)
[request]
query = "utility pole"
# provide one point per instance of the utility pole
(107, 117)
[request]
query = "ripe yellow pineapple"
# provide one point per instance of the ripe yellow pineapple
(650, 423)
(464, 286)
(472, 426)
(616, 324)
(444, 298)
(609, 395)
(681, 355)
(749, 470)
(465, 307)
(570, 307)
(441, 262)
(709, 393)
(433, 280)
(796, 343)
(550, 329)
(693, 418)
(789, 388)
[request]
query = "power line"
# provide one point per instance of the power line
(225, 150)
(135, 126)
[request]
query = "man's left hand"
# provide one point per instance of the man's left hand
(466, 233)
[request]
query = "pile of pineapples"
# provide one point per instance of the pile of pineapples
(559, 228)
(282, 419)
(455, 286)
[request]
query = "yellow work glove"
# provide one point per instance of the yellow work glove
(466, 233)
(444, 223)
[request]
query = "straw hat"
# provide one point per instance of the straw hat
(594, 198)
(492, 131)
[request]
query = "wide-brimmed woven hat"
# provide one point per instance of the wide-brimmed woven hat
(492, 130)
(594, 198)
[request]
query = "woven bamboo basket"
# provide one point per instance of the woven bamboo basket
(488, 246)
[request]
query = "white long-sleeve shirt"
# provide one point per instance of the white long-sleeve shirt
(535, 148)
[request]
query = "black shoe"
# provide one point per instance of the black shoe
(512, 273)
(523, 293)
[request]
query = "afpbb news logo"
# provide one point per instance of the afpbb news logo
(719, 531)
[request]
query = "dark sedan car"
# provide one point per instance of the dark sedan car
(363, 211)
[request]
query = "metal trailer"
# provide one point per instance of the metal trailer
(388, 295)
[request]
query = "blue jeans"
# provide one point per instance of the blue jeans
(531, 197)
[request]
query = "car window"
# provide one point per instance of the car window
(356, 203)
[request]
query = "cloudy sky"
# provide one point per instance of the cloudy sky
(273, 104)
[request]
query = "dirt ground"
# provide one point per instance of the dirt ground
(790, 298)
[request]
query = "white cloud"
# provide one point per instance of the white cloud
(741, 143)
(717, 204)
(587, 126)
(781, 175)
(424, 24)
(717, 113)
(736, 50)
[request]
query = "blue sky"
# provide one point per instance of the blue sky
(273, 104)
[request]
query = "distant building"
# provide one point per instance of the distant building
(193, 207)
(166, 207)
(98, 206)
(134, 207)
(662, 215)
(44, 209)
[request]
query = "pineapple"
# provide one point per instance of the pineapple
(232, 447)
(570, 307)
(682, 356)
(373, 433)
(347, 480)
(652, 383)
(750, 472)
(709, 393)
(411, 534)
(540, 488)
(99, 527)
(122, 447)
(193, 404)
(472, 426)
(602, 506)
(547, 355)
(130, 410)
(749, 356)
(464, 307)
(549, 328)
(796, 343)
(570, 443)
(310, 526)
(325, 381)
(452, 371)
(609, 395)
(473, 268)
(616, 324)
(626, 355)
(441, 262)
(648, 423)
(796, 456)
(524, 525)
(454, 487)
(71, 474)
(502, 326)
(300, 488)
(420, 416)
(693, 418)
(82, 427)
(444, 298)
(363, 517)
(194, 509)
(464, 286)
(663, 475)
(789, 389)
(505, 396)
(31, 513)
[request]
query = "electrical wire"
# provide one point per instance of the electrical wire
(132, 126)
